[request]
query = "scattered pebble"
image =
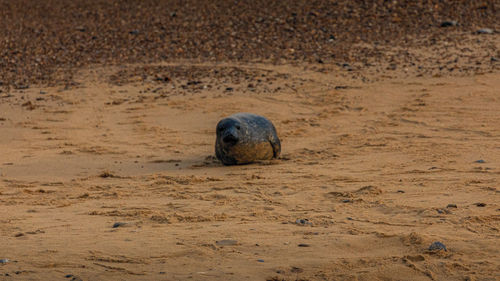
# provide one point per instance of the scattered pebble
(480, 204)
(118, 224)
(68, 276)
(226, 242)
(260, 260)
(493, 59)
(303, 222)
(193, 82)
(21, 86)
(449, 23)
(304, 245)
(4, 261)
(19, 234)
(401, 191)
(437, 246)
(480, 161)
(485, 31)
(451, 206)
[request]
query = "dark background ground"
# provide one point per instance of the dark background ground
(44, 42)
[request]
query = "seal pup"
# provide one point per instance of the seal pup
(243, 138)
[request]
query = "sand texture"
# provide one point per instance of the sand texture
(372, 167)
(108, 169)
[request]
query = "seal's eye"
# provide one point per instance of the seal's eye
(237, 127)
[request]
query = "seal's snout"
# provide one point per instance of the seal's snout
(230, 135)
(230, 138)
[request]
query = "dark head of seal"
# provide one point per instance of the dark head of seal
(244, 138)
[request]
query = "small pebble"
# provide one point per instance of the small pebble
(451, 206)
(193, 82)
(480, 161)
(68, 275)
(226, 242)
(485, 31)
(118, 224)
(401, 191)
(4, 261)
(303, 222)
(346, 201)
(437, 246)
(304, 245)
(493, 59)
(260, 260)
(449, 23)
(480, 204)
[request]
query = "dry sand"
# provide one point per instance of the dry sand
(389, 123)
(373, 167)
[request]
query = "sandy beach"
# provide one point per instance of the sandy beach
(107, 165)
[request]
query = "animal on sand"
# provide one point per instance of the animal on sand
(244, 138)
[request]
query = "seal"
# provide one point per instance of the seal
(243, 138)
